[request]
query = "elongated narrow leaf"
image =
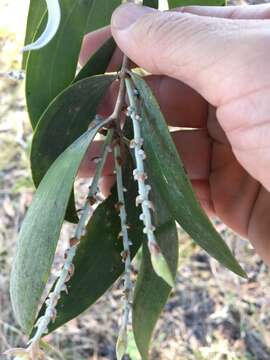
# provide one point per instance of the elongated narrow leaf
(52, 68)
(99, 62)
(177, 3)
(40, 231)
(98, 262)
(173, 184)
(151, 292)
(100, 13)
(151, 3)
(67, 117)
(37, 9)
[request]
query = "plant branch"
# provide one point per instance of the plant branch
(126, 258)
(159, 263)
(68, 267)
(121, 93)
(67, 271)
(139, 173)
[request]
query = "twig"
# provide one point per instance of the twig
(122, 342)
(159, 263)
(68, 267)
(121, 93)
(126, 258)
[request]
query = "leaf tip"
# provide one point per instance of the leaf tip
(161, 266)
(241, 272)
(121, 345)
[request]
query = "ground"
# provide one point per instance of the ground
(211, 314)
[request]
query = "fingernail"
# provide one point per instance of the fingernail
(126, 15)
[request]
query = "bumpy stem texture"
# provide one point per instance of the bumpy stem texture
(126, 249)
(139, 173)
(68, 267)
(159, 263)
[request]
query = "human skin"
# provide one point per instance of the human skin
(210, 72)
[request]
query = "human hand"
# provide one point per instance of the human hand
(211, 75)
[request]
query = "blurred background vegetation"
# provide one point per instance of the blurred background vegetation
(211, 314)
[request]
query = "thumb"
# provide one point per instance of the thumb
(207, 53)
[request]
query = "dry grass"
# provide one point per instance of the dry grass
(211, 314)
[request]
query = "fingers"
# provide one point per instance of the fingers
(106, 184)
(206, 53)
(261, 11)
(259, 225)
(88, 165)
(196, 159)
(180, 105)
(233, 190)
(93, 41)
(194, 147)
(203, 195)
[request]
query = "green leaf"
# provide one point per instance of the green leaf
(99, 62)
(67, 117)
(151, 3)
(100, 14)
(51, 69)
(98, 262)
(169, 176)
(177, 3)
(40, 231)
(151, 292)
(36, 11)
(161, 267)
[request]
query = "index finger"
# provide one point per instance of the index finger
(245, 12)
